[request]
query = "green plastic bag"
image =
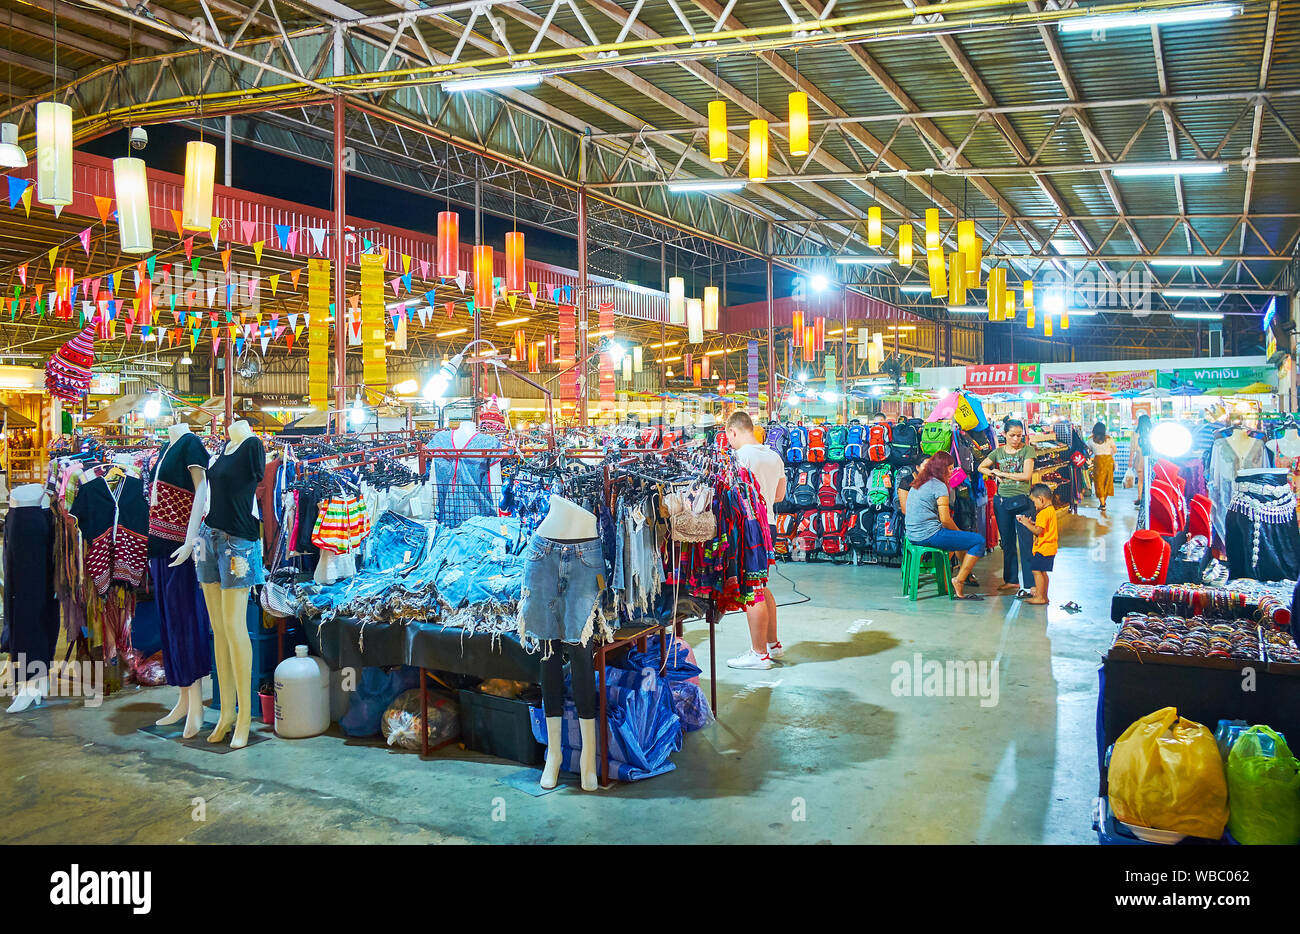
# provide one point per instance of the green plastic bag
(1263, 789)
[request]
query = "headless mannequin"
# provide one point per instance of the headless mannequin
(28, 692)
(568, 522)
(1146, 557)
(1288, 445)
(1240, 442)
(460, 437)
(189, 703)
(228, 609)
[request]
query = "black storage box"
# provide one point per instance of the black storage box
(498, 726)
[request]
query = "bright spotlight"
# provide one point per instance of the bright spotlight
(1171, 439)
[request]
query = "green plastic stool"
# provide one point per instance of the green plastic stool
(915, 559)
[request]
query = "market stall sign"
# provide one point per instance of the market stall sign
(1000, 377)
(1102, 382)
(105, 384)
(1221, 380)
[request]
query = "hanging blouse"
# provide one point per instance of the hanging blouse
(114, 523)
(173, 501)
(1224, 466)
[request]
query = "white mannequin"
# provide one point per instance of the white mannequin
(189, 703)
(1240, 441)
(566, 521)
(227, 609)
(1288, 445)
(31, 692)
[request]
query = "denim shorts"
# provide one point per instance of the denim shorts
(561, 591)
(949, 540)
(232, 562)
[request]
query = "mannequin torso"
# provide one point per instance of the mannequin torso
(1288, 445)
(239, 432)
(567, 522)
(1240, 442)
(29, 494)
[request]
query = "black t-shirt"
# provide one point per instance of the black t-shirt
(174, 463)
(233, 479)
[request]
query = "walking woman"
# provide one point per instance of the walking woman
(1103, 464)
(1012, 465)
(927, 509)
(1136, 457)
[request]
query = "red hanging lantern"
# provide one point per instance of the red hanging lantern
(533, 364)
(63, 291)
(704, 368)
(448, 260)
(696, 374)
(483, 285)
(521, 345)
(796, 321)
(550, 349)
(819, 333)
(515, 262)
(809, 342)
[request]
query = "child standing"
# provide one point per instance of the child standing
(1046, 538)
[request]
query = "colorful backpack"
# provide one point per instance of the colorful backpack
(785, 525)
(878, 442)
(936, 437)
(805, 533)
(887, 534)
(828, 489)
(856, 438)
(853, 484)
(880, 486)
(836, 441)
(857, 532)
(905, 444)
(803, 492)
(796, 449)
(816, 444)
(776, 438)
(832, 542)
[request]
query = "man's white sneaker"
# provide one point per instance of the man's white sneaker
(750, 659)
(775, 650)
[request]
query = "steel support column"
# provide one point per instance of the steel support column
(663, 337)
(340, 273)
(476, 372)
(229, 385)
(844, 350)
(583, 343)
(771, 343)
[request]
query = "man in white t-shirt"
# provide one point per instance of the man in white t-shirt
(769, 470)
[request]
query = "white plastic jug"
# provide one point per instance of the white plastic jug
(302, 695)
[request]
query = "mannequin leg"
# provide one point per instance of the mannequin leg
(553, 708)
(582, 667)
(235, 608)
(221, 656)
(193, 709)
(179, 710)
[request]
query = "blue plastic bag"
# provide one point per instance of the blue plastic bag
(376, 689)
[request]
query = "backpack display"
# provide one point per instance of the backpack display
(854, 440)
(828, 486)
(816, 444)
(887, 534)
(878, 441)
(853, 484)
(776, 438)
(857, 532)
(785, 525)
(904, 444)
(803, 491)
(805, 533)
(836, 441)
(936, 437)
(832, 543)
(788, 504)
(880, 486)
(796, 448)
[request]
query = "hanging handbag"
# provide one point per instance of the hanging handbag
(277, 597)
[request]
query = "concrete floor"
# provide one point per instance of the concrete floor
(817, 750)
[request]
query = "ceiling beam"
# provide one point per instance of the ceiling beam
(72, 13)
(19, 60)
(69, 40)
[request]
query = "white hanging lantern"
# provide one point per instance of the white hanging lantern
(711, 308)
(53, 153)
(12, 155)
(864, 343)
(636, 359)
(131, 188)
(200, 175)
(694, 320)
(676, 300)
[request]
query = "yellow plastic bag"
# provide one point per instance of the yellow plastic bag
(1166, 773)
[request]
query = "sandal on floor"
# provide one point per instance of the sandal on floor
(969, 596)
(1071, 607)
(1023, 594)
(970, 579)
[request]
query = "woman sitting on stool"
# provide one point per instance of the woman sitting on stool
(929, 519)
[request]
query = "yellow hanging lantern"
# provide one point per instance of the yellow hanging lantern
(711, 308)
(956, 278)
(973, 260)
(717, 131)
(200, 174)
(938, 280)
(905, 244)
(1047, 325)
(1065, 319)
(1009, 309)
(1029, 317)
(1028, 286)
(798, 123)
(873, 226)
(965, 236)
(758, 150)
(932, 240)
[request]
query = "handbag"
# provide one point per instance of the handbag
(277, 597)
(690, 514)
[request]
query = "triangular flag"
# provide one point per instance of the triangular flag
(266, 339)
(469, 304)
(216, 345)
(22, 274)
(317, 238)
(293, 321)
(102, 205)
(176, 219)
(406, 281)
(215, 230)
(16, 188)
(406, 263)
(53, 255)
(194, 337)
(252, 286)
(151, 263)
(460, 279)
(395, 282)
(194, 264)
(292, 245)
(451, 309)
(27, 200)
(512, 299)
(84, 236)
(275, 283)
(225, 259)
(293, 276)
(282, 234)
(424, 269)
(246, 230)
(288, 342)
(257, 250)
(189, 249)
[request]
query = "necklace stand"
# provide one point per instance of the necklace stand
(1146, 557)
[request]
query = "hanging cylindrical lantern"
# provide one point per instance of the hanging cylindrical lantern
(938, 281)
(965, 236)
(932, 239)
(63, 290)
(905, 244)
(864, 342)
(515, 262)
(484, 297)
(696, 377)
(758, 150)
(676, 300)
(711, 294)
(705, 367)
(798, 123)
(521, 345)
(717, 131)
(796, 323)
(534, 365)
(550, 349)
(131, 189)
(879, 340)
(694, 320)
(873, 226)
(200, 176)
(1028, 286)
(1065, 319)
(53, 153)
(973, 260)
(1047, 325)
(957, 278)
(448, 259)
(638, 361)
(1029, 317)
(819, 333)
(809, 343)
(874, 357)
(627, 369)
(1009, 306)
(995, 290)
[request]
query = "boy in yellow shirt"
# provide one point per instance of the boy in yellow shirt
(1046, 538)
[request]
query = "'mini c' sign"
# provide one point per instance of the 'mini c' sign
(1000, 376)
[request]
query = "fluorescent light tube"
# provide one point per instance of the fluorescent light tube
(493, 83)
(1199, 315)
(1169, 169)
(1197, 14)
(1206, 261)
(1190, 293)
(682, 188)
(864, 260)
(914, 289)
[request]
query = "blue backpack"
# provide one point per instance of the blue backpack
(856, 438)
(776, 438)
(796, 449)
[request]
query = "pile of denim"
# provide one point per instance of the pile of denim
(467, 576)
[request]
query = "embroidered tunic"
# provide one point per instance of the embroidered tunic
(114, 523)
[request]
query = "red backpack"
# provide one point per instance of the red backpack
(878, 441)
(828, 489)
(816, 444)
(833, 529)
(805, 533)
